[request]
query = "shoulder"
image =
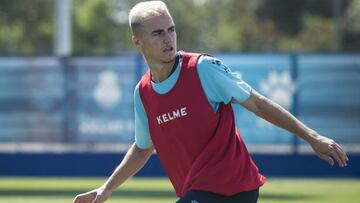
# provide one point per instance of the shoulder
(136, 92)
(144, 80)
(143, 83)
(207, 63)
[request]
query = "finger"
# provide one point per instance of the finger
(334, 154)
(343, 151)
(327, 159)
(340, 148)
(341, 154)
(342, 159)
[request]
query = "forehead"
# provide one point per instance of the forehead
(163, 21)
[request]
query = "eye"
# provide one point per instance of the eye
(155, 34)
(172, 29)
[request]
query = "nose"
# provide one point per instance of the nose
(167, 38)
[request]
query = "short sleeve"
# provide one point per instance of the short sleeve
(142, 134)
(220, 84)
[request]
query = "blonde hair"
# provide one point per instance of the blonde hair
(143, 11)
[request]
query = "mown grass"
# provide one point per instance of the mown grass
(159, 190)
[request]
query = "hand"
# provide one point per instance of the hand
(98, 195)
(327, 149)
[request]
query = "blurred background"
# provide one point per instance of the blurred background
(68, 70)
(99, 27)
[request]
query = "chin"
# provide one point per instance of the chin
(169, 58)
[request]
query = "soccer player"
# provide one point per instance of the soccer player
(183, 111)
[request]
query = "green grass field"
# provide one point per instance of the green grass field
(61, 190)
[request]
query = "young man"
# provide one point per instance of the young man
(183, 110)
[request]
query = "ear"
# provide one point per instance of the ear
(136, 41)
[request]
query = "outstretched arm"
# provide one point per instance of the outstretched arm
(133, 161)
(324, 147)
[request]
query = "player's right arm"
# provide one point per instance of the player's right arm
(133, 161)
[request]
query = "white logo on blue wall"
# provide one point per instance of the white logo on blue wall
(279, 87)
(107, 93)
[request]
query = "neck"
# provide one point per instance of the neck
(160, 71)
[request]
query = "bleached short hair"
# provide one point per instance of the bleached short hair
(143, 11)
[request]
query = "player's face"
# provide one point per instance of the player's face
(157, 40)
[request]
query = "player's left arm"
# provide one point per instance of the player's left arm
(324, 147)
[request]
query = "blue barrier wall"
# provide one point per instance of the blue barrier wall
(86, 100)
(322, 90)
(89, 99)
(102, 164)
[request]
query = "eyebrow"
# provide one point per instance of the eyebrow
(161, 30)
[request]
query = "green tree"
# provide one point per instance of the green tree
(317, 35)
(351, 26)
(26, 27)
(100, 27)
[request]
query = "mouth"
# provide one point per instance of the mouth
(170, 49)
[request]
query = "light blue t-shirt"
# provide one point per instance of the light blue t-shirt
(220, 84)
